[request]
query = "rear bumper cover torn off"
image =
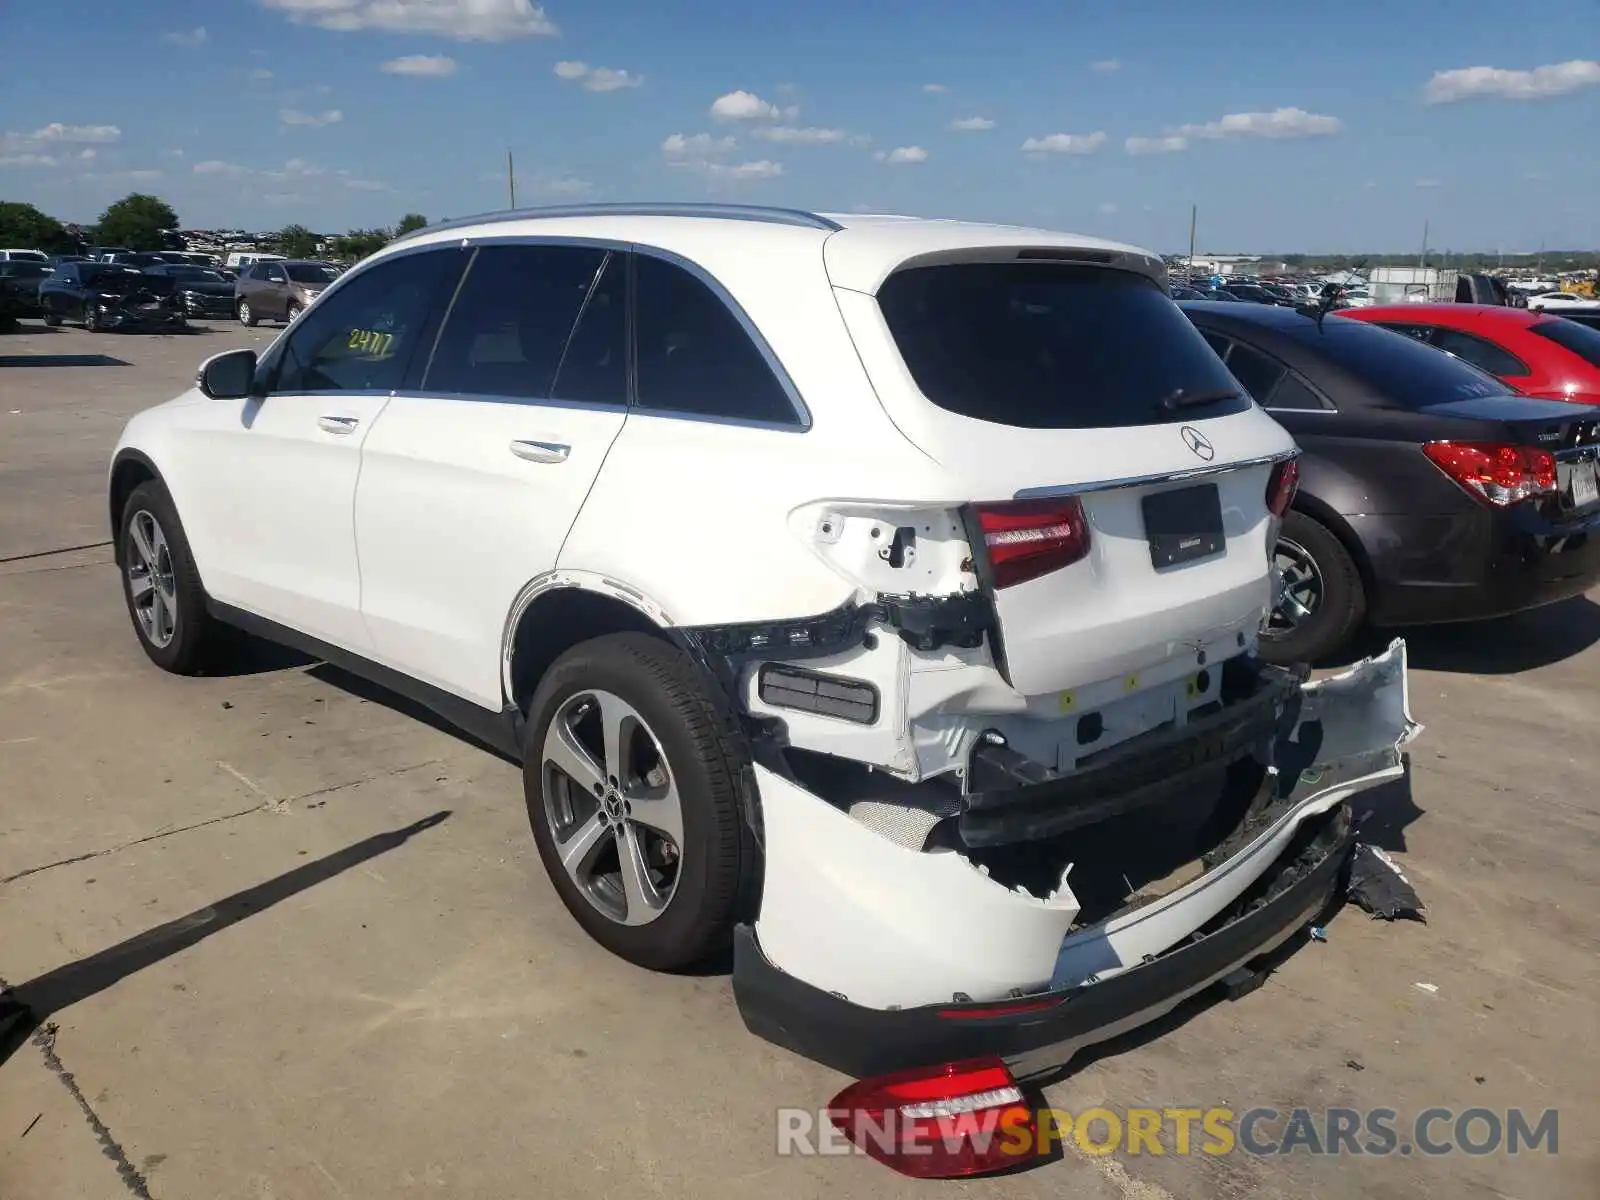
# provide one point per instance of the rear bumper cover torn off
(871, 957)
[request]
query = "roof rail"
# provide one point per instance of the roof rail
(725, 212)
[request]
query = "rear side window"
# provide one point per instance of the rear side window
(694, 355)
(1407, 373)
(1484, 355)
(1255, 370)
(1570, 335)
(511, 321)
(1053, 346)
(363, 336)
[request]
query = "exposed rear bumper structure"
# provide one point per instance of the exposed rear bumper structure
(952, 966)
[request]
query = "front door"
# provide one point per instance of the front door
(471, 481)
(272, 486)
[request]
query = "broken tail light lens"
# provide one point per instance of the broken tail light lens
(1500, 473)
(944, 1122)
(1029, 538)
(1282, 485)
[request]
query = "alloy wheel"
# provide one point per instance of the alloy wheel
(152, 587)
(613, 807)
(1300, 588)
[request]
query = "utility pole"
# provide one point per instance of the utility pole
(511, 178)
(1422, 259)
(1194, 215)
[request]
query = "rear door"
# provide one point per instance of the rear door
(478, 468)
(1086, 385)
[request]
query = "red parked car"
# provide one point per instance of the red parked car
(1535, 353)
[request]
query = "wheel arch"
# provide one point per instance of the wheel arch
(129, 469)
(1324, 514)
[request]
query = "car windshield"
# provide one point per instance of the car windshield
(310, 273)
(115, 279)
(1580, 339)
(194, 275)
(1407, 372)
(1048, 346)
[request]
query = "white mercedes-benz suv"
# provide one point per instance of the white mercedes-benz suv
(864, 593)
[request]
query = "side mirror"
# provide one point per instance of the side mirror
(228, 376)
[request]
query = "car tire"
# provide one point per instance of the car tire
(53, 321)
(290, 312)
(149, 535)
(677, 738)
(1321, 577)
(247, 315)
(91, 319)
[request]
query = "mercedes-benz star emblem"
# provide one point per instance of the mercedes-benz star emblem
(1198, 442)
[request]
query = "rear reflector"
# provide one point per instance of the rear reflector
(1282, 485)
(1029, 538)
(943, 1122)
(1499, 473)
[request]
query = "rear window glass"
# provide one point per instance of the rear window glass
(1053, 346)
(1408, 373)
(1581, 339)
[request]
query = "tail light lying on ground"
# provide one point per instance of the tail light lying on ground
(943, 1122)
(1282, 485)
(1029, 538)
(1499, 473)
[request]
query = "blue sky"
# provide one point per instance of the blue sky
(1292, 126)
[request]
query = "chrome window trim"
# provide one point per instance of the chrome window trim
(726, 212)
(1132, 481)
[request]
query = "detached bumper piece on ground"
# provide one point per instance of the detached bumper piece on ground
(1066, 984)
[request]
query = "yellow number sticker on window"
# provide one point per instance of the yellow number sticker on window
(370, 342)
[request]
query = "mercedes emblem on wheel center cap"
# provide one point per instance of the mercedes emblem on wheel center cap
(1198, 442)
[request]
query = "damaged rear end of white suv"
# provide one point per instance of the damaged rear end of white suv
(1029, 786)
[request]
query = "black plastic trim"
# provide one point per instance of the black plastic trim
(501, 731)
(1042, 1037)
(837, 696)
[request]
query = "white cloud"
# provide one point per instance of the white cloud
(794, 135)
(261, 73)
(1106, 65)
(902, 155)
(1555, 79)
(1429, 183)
(1279, 123)
(57, 134)
(936, 88)
(193, 39)
(696, 146)
(28, 160)
(429, 66)
(463, 20)
(1106, 209)
(1156, 145)
(173, 153)
(296, 168)
(293, 116)
(763, 168)
(87, 155)
(215, 166)
(971, 124)
(366, 185)
(142, 175)
(561, 184)
(597, 79)
(1065, 143)
(747, 106)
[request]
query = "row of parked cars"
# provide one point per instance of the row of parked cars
(158, 291)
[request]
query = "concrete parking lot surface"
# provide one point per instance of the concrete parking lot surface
(288, 939)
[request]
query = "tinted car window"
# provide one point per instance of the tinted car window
(1484, 355)
(1570, 335)
(511, 320)
(1407, 373)
(1421, 333)
(311, 273)
(1255, 370)
(362, 337)
(594, 366)
(1218, 343)
(694, 356)
(1052, 346)
(1293, 392)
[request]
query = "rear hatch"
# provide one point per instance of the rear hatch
(1080, 414)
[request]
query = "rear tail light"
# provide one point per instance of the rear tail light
(943, 1122)
(1499, 473)
(1029, 538)
(1282, 485)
